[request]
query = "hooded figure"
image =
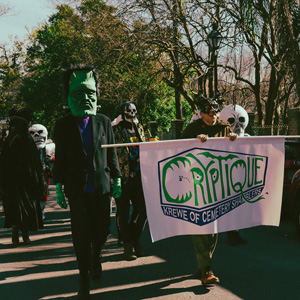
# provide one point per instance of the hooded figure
(21, 178)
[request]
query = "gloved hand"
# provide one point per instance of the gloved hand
(60, 197)
(117, 190)
(232, 136)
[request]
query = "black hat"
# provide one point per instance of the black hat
(208, 104)
(23, 113)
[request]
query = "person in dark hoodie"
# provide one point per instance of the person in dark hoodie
(21, 178)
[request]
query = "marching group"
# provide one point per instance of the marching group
(87, 175)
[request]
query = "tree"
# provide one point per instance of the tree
(259, 24)
(176, 42)
(90, 34)
(247, 26)
(10, 77)
(4, 9)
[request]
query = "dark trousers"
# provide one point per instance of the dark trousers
(131, 226)
(90, 222)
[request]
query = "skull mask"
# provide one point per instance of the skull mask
(236, 116)
(39, 134)
(130, 112)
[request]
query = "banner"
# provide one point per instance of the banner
(202, 188)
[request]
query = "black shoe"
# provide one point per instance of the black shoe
(128, 254)
(96, 268)
(84, 287)
(231, 236)
(138, 249)
(25, 237)
(234, 238)
(83, 295)
(240, 239)
(15, 236)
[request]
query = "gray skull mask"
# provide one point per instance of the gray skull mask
(236, 116)
(39, 134)
(130, 112)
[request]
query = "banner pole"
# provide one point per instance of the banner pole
(211, 138)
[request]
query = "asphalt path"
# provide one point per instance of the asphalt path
(267, 267)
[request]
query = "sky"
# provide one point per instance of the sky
(24, 13)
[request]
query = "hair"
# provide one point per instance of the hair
(67, 72)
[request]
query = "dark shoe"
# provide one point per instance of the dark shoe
(138, 249)
(231, 238)
(234, 238)
(83, 296)
(207, 276)
(84, 287)
(240, 239)
(15, 236)
(25, 237)
(96, 268)
(128, 254)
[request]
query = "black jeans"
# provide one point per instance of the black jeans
(131, 226)
(90, 222)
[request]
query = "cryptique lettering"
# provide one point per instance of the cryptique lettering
(213, 178)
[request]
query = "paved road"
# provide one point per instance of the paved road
(267, 267)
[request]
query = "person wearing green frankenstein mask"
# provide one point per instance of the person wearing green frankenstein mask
(83, 171)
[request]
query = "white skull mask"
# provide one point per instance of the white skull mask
(130, 112)
(236, 116)
(39, 134)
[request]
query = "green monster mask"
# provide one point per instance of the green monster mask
(82, 98)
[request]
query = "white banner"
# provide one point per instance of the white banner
(199, 188)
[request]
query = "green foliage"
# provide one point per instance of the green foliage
(10, 77)
(91, 34)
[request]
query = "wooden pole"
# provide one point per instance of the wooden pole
(210, 138)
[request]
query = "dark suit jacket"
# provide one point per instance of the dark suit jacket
(71, 159)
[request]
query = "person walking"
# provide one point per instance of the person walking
(21, 178)
(83, 171)
(127, 129)
(207, 126)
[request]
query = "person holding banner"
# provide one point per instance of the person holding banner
(127, 129)
(207, 126)
(85, 170)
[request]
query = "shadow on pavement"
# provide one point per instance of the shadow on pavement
(267, 267)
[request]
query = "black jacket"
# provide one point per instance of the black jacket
(220, 129)
(21, 178)
(71, 160)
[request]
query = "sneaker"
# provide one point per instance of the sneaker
(207, 276)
